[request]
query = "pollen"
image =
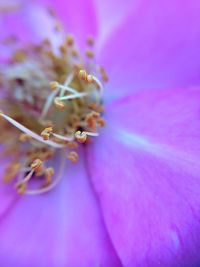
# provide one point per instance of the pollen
(73, 156)
(53, 104)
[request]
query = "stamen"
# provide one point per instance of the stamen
(48, 103)
(68, 97)
(52, 184)
(99, 84)
(70, 40)
(73, 156)
(54, 85)
(37, 166)
(66, 88)
(73, 88)
(82, 136)
(82, 75)
(90, 41)
(64, 138)
(48, 173)
(91, 134)
(29, 132)
(59, 104)
(49, 131)
(46, 133)
(89, 53)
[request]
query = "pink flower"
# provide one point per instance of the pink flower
(133, 197)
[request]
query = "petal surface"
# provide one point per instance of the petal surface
(78, 17)
(158, 46)
(61, 228)
(146, 173)
(110, 15)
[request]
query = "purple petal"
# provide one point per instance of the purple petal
(110, 14)
(61, 228)
(146, 173)
(157, 46)
(77, 16)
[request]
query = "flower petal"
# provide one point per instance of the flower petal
(158, 46)
(146, 173)
(60, 228)
(77, 16)
(110, 15)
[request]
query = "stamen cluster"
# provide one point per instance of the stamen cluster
(53, 100)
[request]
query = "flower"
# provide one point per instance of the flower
(132, 199)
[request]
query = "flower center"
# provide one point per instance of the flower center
(51, 100)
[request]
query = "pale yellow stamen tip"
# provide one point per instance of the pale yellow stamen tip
(80, 136)
(73, 156)
(21, 188)
(46, 133)
(89, 54)
(69, 40)
(54, 85)
(59, 104)
(37, 166)
(90, 78)
(90, 41)
(48, 173)
(82, 75)
(24, 137)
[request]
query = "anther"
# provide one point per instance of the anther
(48, 173)
(74, 53)
(21, 188)
(89, 53)
(46, 133)
(69, 40)
(82, 75)
(37, 166)
(24, 137)
(90, 78)
(90, 41)
(73, 156)
(80, 136)
(59, 104)
(54, 85)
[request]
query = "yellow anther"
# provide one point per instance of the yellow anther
(63, 50)
(54, 85)
(48, 173)
(81, 136)
(69, 40)
(37, 165)
(73, 156)
(90, 78)
(74, 53)
(82, 75)
(101, 122)
(21, 188)
(19, 56)
(46, 133)
(91, 120)
(89, 53)
(90, 41)
(59, 104)
(24, 137)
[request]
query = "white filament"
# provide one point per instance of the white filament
(31, 133)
